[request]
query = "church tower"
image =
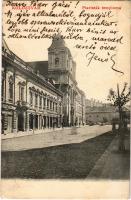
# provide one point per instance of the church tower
(62, 69)
(60, 60)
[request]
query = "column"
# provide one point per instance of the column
(24, 122)
(45, 102)
(14, 123)
(7, 88)
(38, 121)
(27, 121)
(49, 121)
(42, 121)
(42, 102)
(33, 122)
(45, 121)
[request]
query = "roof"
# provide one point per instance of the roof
(59, 43)
(40, 66)
(5, 47)
(100, 109)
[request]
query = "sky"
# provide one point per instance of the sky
(97, 78)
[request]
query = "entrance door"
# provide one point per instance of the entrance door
(20, 122)
(31, 121)
(44, 121)
(36, 121)
(50, 121)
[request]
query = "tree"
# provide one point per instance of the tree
(119, 100)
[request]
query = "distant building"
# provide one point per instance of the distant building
(97, 111)
(29, 101)
(80, 108)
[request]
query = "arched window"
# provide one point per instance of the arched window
(56, 61)
(31, 98)
(21, 90)
(40, 101)
(36, 99)
(47, 103)
(21, 93)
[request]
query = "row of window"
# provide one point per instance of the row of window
(47, 103)
(11, 90)
(35, 98)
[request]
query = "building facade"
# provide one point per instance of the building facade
(29, 101)
(98, 112)
(80, 108)
(62, 69)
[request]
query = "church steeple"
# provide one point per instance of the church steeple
(57, 42)
(60, 59)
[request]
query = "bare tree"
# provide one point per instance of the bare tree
(119, 100)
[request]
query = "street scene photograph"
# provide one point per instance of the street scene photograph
(65, 92)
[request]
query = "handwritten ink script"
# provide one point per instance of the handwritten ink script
(94, 29)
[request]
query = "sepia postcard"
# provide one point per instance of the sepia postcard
(65, 99)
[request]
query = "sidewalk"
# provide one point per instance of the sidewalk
(113, 164)
(31, 132)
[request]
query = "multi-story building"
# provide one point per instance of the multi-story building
(94, 103)
(62, 72)
(62, 69)
(97, 111)
(29, 101)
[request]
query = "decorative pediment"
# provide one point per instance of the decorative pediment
(45, 94)
(22, 83)
(38, 90)
(11, 79)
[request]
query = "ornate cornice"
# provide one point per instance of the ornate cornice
(27, 72)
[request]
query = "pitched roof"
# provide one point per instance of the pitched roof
(40, 66)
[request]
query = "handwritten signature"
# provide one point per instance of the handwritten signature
(91, 56)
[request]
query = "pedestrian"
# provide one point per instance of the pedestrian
(113, 126)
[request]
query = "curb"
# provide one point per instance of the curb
(97, 169)
(30, 133)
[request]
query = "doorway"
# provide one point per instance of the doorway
(31, 121)
(36, 121)
(20, 122)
